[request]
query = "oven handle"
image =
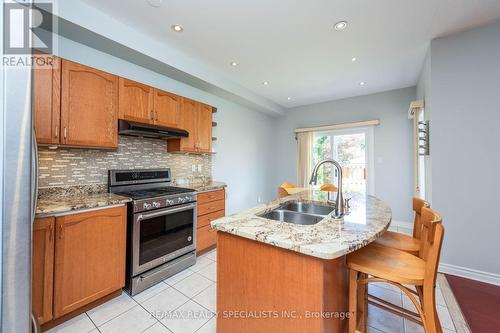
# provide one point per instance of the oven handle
(166, 211)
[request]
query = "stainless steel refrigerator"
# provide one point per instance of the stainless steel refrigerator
(17, 198)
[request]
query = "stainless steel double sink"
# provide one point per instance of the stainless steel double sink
(298, 212)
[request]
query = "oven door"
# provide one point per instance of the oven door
(162, 235)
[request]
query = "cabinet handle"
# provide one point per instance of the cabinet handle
(51, 233)
(65, 132)
(57, 132)
(152, 115)
(156, 112)
(61, 231)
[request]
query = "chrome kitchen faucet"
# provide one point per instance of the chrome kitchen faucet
(340, 207)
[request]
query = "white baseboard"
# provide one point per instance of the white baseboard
(470, 273)
(402, 224)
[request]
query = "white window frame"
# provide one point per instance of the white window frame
(370, 151)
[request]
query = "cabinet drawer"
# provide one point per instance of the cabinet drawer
(206, 237)
(210, 196)
(207, 218)
(210, 207)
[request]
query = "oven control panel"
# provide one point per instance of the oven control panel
(162, 202)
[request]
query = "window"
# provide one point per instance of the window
(352, 148)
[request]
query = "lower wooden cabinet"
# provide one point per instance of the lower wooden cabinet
(211, 206)
(42, 285)
(85, 255)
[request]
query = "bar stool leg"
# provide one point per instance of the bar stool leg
(362, 304)
(430, 311)
(353, 284)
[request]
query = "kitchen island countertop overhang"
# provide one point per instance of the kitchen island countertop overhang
(368, 218)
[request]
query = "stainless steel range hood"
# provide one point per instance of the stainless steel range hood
(149, 131)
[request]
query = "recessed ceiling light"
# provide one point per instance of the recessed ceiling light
(289, 98)
(155, 3)
(353, 59)
(265, 83)
(362, 83)
(233, 63)
(177, 28)
(341, 25)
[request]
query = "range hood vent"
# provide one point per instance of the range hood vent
(149, 131)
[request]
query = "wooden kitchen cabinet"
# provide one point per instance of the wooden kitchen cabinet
(166, 109)
(89, 106)
(211, 206)
(196, 118)
(89, 257)
(204, 126)
(42, 268)
(47, 101)
(135, 101)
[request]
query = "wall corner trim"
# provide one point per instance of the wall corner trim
(470, 273)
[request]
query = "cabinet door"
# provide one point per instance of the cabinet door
(204, 127)
(188, 123)
(47, 101)
(89, 257)
(42, 278)
(89, 107)
(166, 108)
(136, 101)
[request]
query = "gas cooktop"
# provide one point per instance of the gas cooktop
(154, 192)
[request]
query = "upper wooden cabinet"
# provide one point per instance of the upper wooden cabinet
(148, 105)
(204, 126)
(42, 269)
(89, 257)
(75, 105)
(136, 101)
(166, 108)
(46, 101)
(79, 106)
(89, 106)
(196, 118)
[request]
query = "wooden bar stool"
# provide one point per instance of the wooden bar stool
(328, 188)
(404, 242)
(281, 189)
(375, 263)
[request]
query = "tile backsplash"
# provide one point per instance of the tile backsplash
(75, 166)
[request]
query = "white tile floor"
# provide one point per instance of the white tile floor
(185, 303)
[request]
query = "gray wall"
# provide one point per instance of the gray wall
(465, 97)
(243, 158)
(393, 141)
(424, 91)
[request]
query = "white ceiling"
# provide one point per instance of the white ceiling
(292, 44)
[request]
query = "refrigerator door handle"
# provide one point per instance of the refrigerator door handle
(34, 174)
(35, 326)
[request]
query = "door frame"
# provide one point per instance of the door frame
(369, 151)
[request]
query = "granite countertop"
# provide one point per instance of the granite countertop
(205, 187)
(330, 238)
(70, 199)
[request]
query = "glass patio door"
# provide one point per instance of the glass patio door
(352, 148)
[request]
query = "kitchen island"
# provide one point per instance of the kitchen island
(277, 276)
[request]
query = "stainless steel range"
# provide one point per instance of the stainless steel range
(161, 234)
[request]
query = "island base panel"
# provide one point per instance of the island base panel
(263, 288)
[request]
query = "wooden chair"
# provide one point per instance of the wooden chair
(404, 242)
(375, 263)
(281, 189)
(328, 188)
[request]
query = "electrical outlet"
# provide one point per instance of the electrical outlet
(200, 167)
(193, 167)
(259, 199)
